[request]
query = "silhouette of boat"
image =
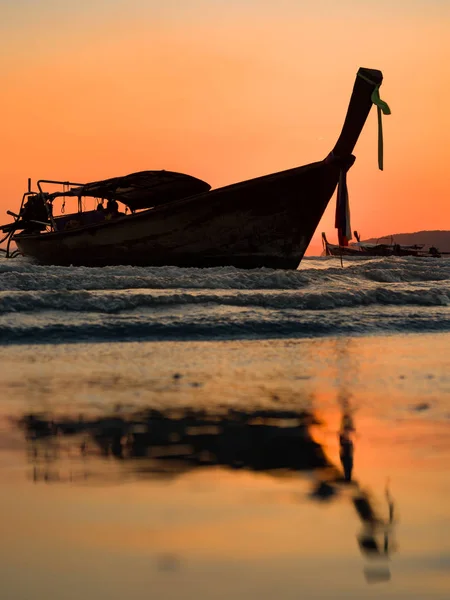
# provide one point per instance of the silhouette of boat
(176, 219)
(184, 438)
(173, 442)
(390, 248)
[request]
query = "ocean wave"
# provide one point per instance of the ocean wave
(20, 274)
(245, 324)
(111, 302)
(379, 295)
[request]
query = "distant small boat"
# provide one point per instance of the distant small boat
(176, 219)
(361, 249)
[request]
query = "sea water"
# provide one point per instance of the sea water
(381, 295)
(368, 342)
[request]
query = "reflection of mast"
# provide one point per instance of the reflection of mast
(344, 379)
(346, 447)
(373, 540)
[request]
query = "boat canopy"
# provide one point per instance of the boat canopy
(144, 189)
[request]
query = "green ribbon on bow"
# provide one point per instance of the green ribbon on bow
(382, 109)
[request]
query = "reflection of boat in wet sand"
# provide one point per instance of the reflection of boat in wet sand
(179, 439)
(380, 248)
(173, 442)
(258, 440)
(175, 219)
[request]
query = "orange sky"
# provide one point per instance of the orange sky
(228, 90)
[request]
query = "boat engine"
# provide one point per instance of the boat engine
(34, 213)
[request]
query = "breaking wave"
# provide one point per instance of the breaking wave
(245, 324)
(110, 303)
(18, 274)
(60, 304)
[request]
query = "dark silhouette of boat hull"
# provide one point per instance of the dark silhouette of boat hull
(362, 250)
(264, 222)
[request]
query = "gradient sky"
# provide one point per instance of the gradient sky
(226, 90)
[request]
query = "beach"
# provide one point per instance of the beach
(264, 413)
(103, 524)
(245, 419)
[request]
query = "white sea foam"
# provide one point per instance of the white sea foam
(111, 302)
(19, 274)
(321, 298)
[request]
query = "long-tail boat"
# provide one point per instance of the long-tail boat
(171, 218)
(380, 248)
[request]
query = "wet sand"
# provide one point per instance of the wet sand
(79, 521)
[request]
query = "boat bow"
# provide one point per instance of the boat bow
(267, 221)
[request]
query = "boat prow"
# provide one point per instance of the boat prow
(176, 219)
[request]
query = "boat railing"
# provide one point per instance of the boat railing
(63, 183)
(51, 196)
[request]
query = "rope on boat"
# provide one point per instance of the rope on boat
(7, 239)
(382, 109)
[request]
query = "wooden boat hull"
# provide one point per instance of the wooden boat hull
(264, 222)
(376, 250)
(380, 250)
(335, 250)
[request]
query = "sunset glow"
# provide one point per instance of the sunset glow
(227, 91)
